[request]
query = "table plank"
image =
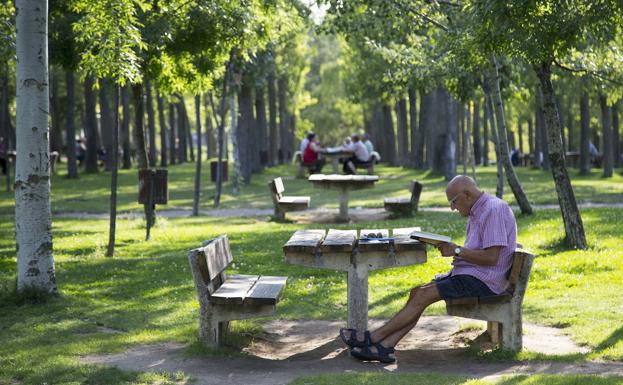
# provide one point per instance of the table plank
(234, 290)
(340, 241)
(403, 241)
(372, 245)
(305, 241)
(266, 291)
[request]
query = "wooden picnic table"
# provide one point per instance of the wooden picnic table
(343, 183)
(334, 154)
(345, 250)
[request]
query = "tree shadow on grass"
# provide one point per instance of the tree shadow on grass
(613, 339)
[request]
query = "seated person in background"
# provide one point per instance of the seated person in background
(310, 154)
(479, 269)
(81, 150)
(368, 143)
(515, 157)
(360, 155)
(305, 142)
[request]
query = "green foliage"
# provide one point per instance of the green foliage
(7, 31)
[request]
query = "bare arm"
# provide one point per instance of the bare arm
(482, 257)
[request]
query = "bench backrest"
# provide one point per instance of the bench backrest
(520, 272)
(208, 264)
(416, 190)
(276, 189)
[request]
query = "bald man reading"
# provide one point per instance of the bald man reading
(479, 269)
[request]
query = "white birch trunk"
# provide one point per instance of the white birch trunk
(33, 219)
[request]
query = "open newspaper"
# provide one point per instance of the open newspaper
(430, 238)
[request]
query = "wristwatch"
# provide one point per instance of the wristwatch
(457, 251)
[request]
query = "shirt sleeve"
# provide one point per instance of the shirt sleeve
(494, 228)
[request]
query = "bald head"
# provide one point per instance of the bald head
(462, 193)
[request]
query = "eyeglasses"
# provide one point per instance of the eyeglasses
(453, 200)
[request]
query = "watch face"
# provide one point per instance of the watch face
(457, 250)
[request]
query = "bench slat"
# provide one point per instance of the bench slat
(403, 241)
(340, 241)
(218, 255)
(373, 245)
(306, 241)
(266, 291)
(295, 200)
(234, 290)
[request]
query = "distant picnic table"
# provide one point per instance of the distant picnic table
(335, 154)
(344, 184)
(345, 250)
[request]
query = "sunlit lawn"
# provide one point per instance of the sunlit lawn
(146, 292)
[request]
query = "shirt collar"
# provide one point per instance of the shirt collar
(479, 204)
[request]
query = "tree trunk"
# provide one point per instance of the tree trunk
(182, 130)
(106, 122)
(542, 133)
(91, 126)
(436, 132)
(283, 119)
(72, 166)
(244, 136)
(606, 132)
(390, 137)
(499, 187)
(125, 129)
(585, 161)
(476, 132)
(462, 134)
(114, 163)
(273, 135)
(378, 124)
(139, 126)
(574, 228)
(451, 131)
(198, 159)
(520, 135)
(511, 177)
(403, 134)
(151, 125)
(468, 140)
(189, 135)
(530, 136)
(172, 135)
(262, 125)
(209, 128)
(486, 111)
(5, 123)
(616, 137)
(235, 146)
(33, 217)
(56, 132)
(416, 137)
(163, 131)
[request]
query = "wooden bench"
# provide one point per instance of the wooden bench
(502, 312)
(369, 166)
(405, 206)
(284, 203)
(222, 299)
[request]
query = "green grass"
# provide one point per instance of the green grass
(90, 192)
(146, 293)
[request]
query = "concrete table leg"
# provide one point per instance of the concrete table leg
(358, 297)
(343, 205)
(336, 165)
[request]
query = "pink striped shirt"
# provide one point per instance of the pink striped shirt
(490, 223)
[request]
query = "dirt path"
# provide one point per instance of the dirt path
(290, 349)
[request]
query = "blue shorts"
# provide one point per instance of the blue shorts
(461, 286)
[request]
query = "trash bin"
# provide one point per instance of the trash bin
(160, 185)
(223, 170)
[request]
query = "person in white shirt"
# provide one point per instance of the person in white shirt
(360, 155)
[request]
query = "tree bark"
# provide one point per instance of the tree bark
(33, 217)
(262, 125)
(235, 146)
(114, 162)
(151, 124)
(542, 134)
(125, 129)
(530, 136)
(585, 161)
(574, 228)
(485, 132)
(182, 130)
(499, 188)
(616, 137)
(468, 140)
(513, 180)
(389, 135)
(72, 165)
(197, 193)
(244, 135)
(520, 135)
(91, 126)
(451, 131)
(163, 131)
(606, 132)
(139, 126)
(462, 135)
(172, 135)
(283, 119)
(273, 135)
(56, 132)
(106, 122)
(416, 137)
(403, 134)
(209, 128)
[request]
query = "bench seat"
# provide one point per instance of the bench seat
(223, 299)
(405, 205)
(284, 203)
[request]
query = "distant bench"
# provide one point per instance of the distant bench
(283, 203)
(502, 312)
(223, 299)
(405, 206)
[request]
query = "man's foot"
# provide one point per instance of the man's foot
(375, 352)
(353, 338)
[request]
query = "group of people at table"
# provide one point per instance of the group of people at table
(360, 147)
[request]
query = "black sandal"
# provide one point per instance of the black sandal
(352, 341)
(382, 353)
